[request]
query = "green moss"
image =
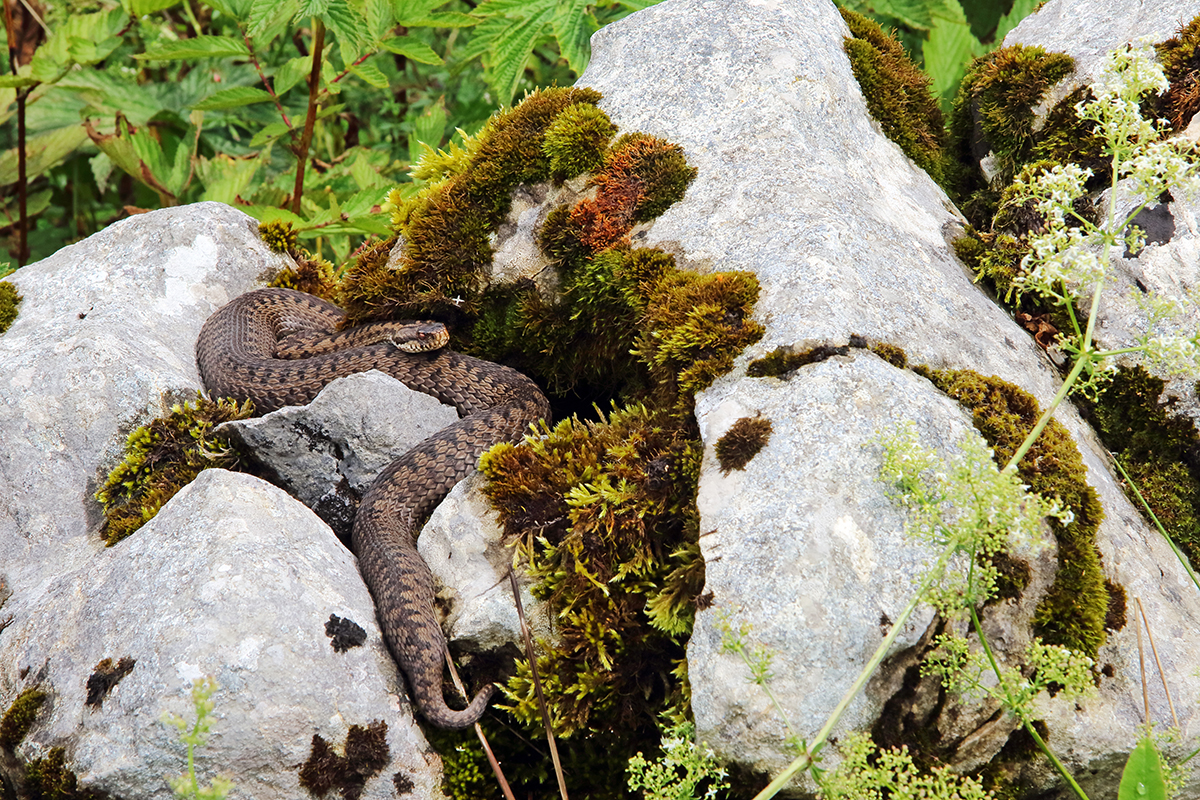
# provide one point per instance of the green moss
(604, 514)
(897, 93)
(892, 354)
(446, 228)
(1160, 451)
(10, 300)
(742, 442)
(1074, 610)
(49, 779)
(577, 139)
(19, 718)
(162, 457)
(366, 753)
(279, 236)
(999, 93)
(785, 359)
(1180, 59)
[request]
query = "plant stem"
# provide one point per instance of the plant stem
(314, 85)
(1063, 391)
(1041, 743)
(806, 760)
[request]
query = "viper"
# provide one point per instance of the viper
(278, 347)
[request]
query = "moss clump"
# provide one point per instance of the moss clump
(893, 354)
(897, 93)
(576, 141)
(1180, 59)
(19, 718)
(278, 235)
(604, 514)
(164, 456)
(10, 300)
(1073, 612)
(999, 93)
(446, 227)
(49, 779)
(366, 753)
(104, 677)
(785, 359)
(742, 442)
(1159, 450)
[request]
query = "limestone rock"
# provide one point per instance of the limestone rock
(243, 598)
(328, 453)
(798, 185)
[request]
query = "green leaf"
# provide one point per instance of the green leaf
(1143, 775)
(428, 128)
(1020, 10)
(413, 9)
(233, 97)
(140, 8)
(312, 8)
(269, 19)
(916, 14)
(42, 152)
(379, 18)
(199, 47)
(573, 32)
(489, 7)
(949, 47)
(24, 77)
(446, 19)
(108, 94)
(513, 48)
(291, 73)
(411, 48)
(349, 26)
(371, 75)
(269, 133)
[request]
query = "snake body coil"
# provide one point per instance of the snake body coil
(277, 347)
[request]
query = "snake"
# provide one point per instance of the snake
(279, 347)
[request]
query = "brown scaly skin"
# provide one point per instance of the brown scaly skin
(238, 355)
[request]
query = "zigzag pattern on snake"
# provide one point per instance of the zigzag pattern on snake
(277, 347)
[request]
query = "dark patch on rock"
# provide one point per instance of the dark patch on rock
(1157, 222)
(404, 784)
(742, 442)
(366, 754)
(105, 676)
(344, 633)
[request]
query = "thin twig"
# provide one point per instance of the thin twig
(1157, 662)
(487, 748)
(314, 87)
(537, 686)
(1142, 664)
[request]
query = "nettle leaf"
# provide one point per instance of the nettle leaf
(916, 14)
(140, 8)
(347, 25)
(949, 47)
(413, 9)
(573, 31)
(199, 47)
(233, 97)
(371, 75)
(312, 8)
(1020, 10)
(428, 129)
(513, 48)
(445, 19)
(269, 19)
(291, 73)
(1143, 775)
(379, 18)
(412, 48)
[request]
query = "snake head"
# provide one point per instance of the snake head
(420, 337)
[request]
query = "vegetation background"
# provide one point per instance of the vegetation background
(110, 109)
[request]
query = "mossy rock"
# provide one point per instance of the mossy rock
(897, 93)
(18, 719)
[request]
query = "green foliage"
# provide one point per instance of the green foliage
(1142, 778)
(10, 300)
(868, 772)
(162, 457)
(1155, 448)
(187, 785)
(48, 778)
(604, 515)
(897, 93)
(18, 719)
(683, 767)
(1073, 612)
